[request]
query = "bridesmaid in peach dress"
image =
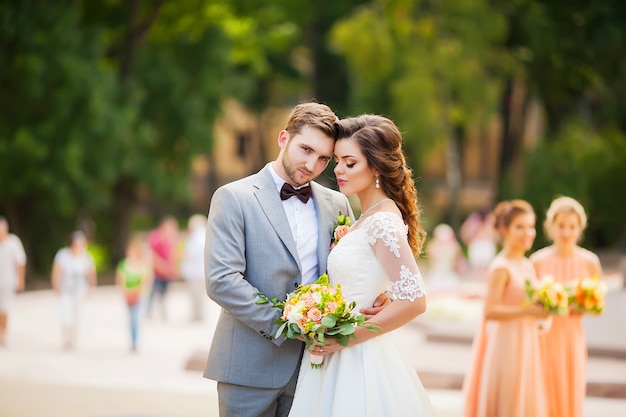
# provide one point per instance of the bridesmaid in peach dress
(506, 376)
(564, 347)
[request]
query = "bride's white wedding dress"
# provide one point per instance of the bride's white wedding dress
(373, 378)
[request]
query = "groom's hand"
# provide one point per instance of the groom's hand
(380, 303)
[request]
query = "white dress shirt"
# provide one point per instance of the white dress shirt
(303, 223)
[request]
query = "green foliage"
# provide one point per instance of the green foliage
(107, 101)
(584, 165)
(430, 67)
(90, 116)
(59, 110)
(101, 255)
(574, 54)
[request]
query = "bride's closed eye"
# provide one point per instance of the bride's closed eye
(347, 165)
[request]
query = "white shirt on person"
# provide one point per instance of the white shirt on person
(303, 223)
(192, 262)
(75, 269)
(12, 255)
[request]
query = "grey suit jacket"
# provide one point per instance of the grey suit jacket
(249, 247)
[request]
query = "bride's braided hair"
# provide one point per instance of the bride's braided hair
(381, 142)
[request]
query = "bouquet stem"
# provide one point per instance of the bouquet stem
(316, 360)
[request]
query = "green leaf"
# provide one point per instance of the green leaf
(346, 328)
(329, 321)
(343, 340)
(281, 329)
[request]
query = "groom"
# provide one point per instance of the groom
(268, 232)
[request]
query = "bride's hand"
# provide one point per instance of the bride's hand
(331, 346)
(381, 302)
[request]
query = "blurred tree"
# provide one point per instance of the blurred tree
(95, 110)
(281, 56)
(582, 164)
(170, 59)
(59, 110)
(433, 65)
(572, 56)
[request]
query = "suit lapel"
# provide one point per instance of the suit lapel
(270, 203)
(325, 221)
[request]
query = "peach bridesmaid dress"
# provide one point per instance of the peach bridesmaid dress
(563, 347)
(506, 376)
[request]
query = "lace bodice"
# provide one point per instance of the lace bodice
(374, 257)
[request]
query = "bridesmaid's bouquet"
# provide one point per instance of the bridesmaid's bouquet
(549, 294)
(316, 312)
(587, 295)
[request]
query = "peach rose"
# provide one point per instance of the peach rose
(302, 324)
(341, 231)
(307, 299)
(315, 315)
(331, 307)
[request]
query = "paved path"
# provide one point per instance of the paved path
(102, 378)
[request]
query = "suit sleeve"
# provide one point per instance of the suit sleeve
(225, 266)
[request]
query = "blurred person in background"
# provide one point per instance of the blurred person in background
(506, 373)
(445, 260)
(12, 272)
(73, 271)
(192, 265)
(163, 243)
(132, 275)
(563, 346)
(478, 233)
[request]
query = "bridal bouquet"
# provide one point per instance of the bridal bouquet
(316, 312)
(587, 295)
(551, 295)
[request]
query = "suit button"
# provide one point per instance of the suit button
(295, 284)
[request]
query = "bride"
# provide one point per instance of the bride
(370, 377)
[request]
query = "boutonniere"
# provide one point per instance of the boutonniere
(341, 227)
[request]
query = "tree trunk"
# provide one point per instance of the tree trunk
(136, 31)
(123, 207)
(125, 197)
(513, 112)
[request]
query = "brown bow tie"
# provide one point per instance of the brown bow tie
(288, 191)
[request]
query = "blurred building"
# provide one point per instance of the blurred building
(245, 141)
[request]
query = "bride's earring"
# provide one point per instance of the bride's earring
(377, 182)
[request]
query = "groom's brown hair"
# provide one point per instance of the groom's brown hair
(315, 115)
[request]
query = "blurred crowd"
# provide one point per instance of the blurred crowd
(151, 262)
(546, 365)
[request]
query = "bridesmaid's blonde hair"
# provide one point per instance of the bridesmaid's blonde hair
(562, 205)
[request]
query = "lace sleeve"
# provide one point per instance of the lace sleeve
(387, 235)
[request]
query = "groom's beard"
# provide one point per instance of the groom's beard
(299, 176)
